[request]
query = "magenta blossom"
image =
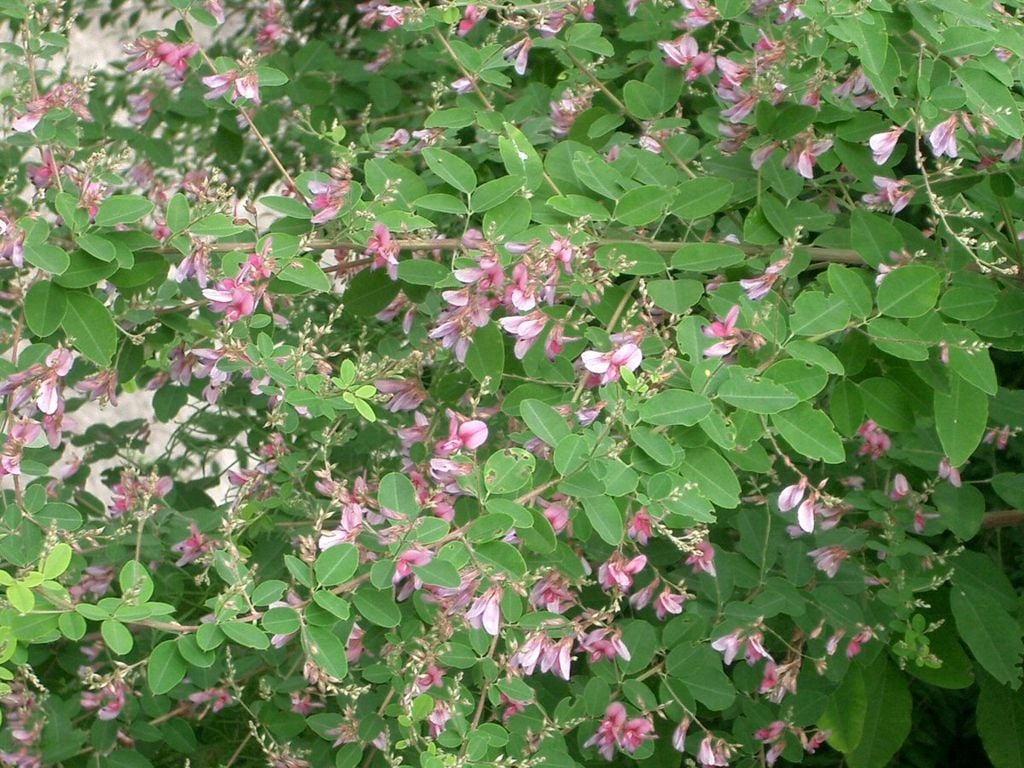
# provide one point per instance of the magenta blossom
(236, 299)
(384, 250)
(328, 198)
(828, 559)
(21, 434)
(618, 572)
(463, 435)
(193, 547)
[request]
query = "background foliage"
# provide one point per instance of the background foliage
(546, 383)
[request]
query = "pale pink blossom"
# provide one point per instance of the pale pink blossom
(892, 193)
(883, 144)
(876, 441)
(609, 365)
(194, 546)
(943, 137)
(471, 16)
(828, 559)
(384, 250)
(948, 472)
(702, 559)
(485, 612)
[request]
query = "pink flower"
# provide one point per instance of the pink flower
(714, 752)
(415, 555)
(21, 434)
(804, 155)
(679, 734)
(245, 86)
(609, 731)
(520, 52)
(219, 696)
(758, 287)
(792, 495)
(725, 331)
(680, 52)
(472, 16)
(883, 144)
(747, 641)
(636, 732)
(943, 137)
(668, 602)
(828, 559)
(702, 560)
(895, 195)
(463, 434)
(108, 700)
(485, 612)
(235, 299)
(384, 250)
(526, 328)
(328, 198)
(604, 643)
(609, 365)
(639, 527)
(618, 572)
(900, 487)
(406, 394)
(193, 547)
(876, 441)
(552, 593)
(948, 472)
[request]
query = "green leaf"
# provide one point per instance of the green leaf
(48, 258)
(45, 307)
(179, 213)
(896, 339)
(873, 237)
(990, 632)
(497, 555)
(508, 470)
(960, 419)
(571, 453)
(122, 209)
(716, 481)
(333, 604)
(451, 168)
(811, 433)
(282, 620)
(495, 192)
(270, 77)
(675, 406)
(439, 573)
(1000, 719)
(848, 285)
(337, 564)
(587, 37)
(641, 206)
(579, 207)
(286, 206)
(397, 493)
(21, 598)
(485, 359)
(544, 421)
(84, 271)
(630, 259)
(757, 396)
(675, 296)
(245, 634)
(91, 327)
(307, 273)
(519, 157)
(846, 711)
(57, 561)
(422, 272)
(909, 291)
(987, 96)
(605, 518)
(327, 649)
(697, 198)
(116, 636)
(699, 669)
(442, 203)
(165, 668)
(377, 606)
(97, 246)
(816, 314)
(642, 100)
(887, 719)
(707, 257)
